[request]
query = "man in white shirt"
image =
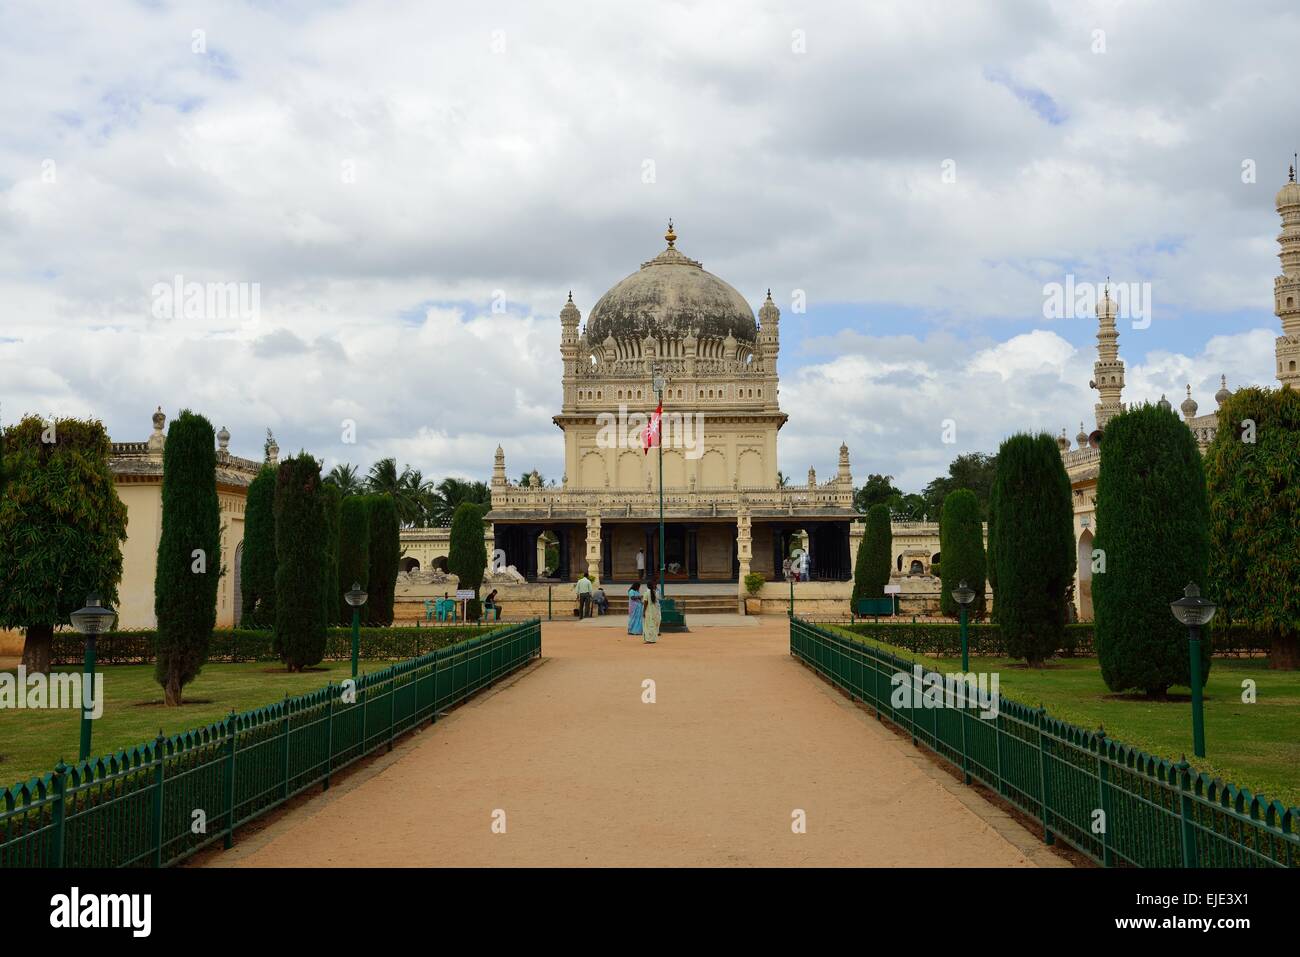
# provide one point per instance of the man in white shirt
(583, 588)
(640, 563)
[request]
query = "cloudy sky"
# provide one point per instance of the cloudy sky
(412, 188)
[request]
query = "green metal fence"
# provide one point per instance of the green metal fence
(1156, 813)
(160, 802)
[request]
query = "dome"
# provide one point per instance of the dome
(1164, 403)
(1289, 194)
(1223, 394)
(1189, 404)
(672, 295)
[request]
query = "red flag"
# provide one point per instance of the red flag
(650, 434)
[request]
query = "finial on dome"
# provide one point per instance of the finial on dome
(1223, 394)
(1293, 163)
(670, 235)
(1189, 405)
(570, 295)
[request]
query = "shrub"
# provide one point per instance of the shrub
(961, 543)
(754, 582)
(1152, 530)
(257, 560)
(301, 554)
(189, 554)
(943, 639)
(1035, 554)
(1254, 509)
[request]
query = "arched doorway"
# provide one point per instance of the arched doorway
(238, 602)
(409, 565)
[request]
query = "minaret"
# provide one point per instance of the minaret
(1286, 287)
(1108, 370)
(844, 475)
(499, 469)
(570, 349)
(769, 342)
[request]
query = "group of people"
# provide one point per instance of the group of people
(643, 612)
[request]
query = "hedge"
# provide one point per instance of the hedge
(135, 646)
(943, 639)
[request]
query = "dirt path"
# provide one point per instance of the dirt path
(740, 736)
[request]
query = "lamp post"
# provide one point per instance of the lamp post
(356, 597)
(1194, 611)
(92, 620)
(963, 595)
(659, 382)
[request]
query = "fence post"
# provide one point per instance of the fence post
(59, 812)
(1044, 794)
(548, 602)
(962, 716)
(285, 794)
(392, 706)
(363, 700)
(158, 745)
(1103, 782)
(1185, 813)
(230, 780)
(911, 699)
(329, 732)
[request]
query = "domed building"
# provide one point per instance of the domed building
(726, 512)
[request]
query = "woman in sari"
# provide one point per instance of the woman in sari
(634, 609)
(652, 616)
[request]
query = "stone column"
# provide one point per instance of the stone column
(593, 544)
(744, 551)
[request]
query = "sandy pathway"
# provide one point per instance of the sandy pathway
(587, 774)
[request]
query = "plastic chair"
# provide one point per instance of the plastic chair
(428, 610)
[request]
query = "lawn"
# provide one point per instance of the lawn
(33, 741)
(1255, 746)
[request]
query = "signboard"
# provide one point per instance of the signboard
(463, 593)
(893, 589)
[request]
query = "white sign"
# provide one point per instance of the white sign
(893, 589)
(462, 593)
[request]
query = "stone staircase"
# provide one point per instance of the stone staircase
(722, 604)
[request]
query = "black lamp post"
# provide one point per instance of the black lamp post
(1194, 611)
(963, 595)
(92, 620)
(356, 597)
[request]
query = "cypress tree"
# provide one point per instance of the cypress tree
(961, 545)
(354, 551)
(257, 572)
(1253, 478)
(301, 554)
(189, 554)
(1153, 536)
(859, 575)
(385, 555)
(467, 555)
(331, 505)
(874, 555)
(1035, 554)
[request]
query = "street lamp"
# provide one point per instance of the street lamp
(963, 595)
(356, 597)
(91, 621)
(1194, 611)
(660, 381)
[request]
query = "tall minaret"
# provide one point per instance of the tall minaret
(1286, 287)
(1108, 370)
(769, 344)
(570, 349)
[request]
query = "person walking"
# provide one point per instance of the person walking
(634, 609)
(583, 588)
(652, 615)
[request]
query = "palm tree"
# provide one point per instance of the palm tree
(782, 480)
(347, 479)
(384, 479)
(450, 492)
(419, 494)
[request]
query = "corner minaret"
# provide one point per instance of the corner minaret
(1286, 287)
(769, 344)
(570, 349)
(1108, 370)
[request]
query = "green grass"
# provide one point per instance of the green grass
(33, 741)
(1255, 746)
